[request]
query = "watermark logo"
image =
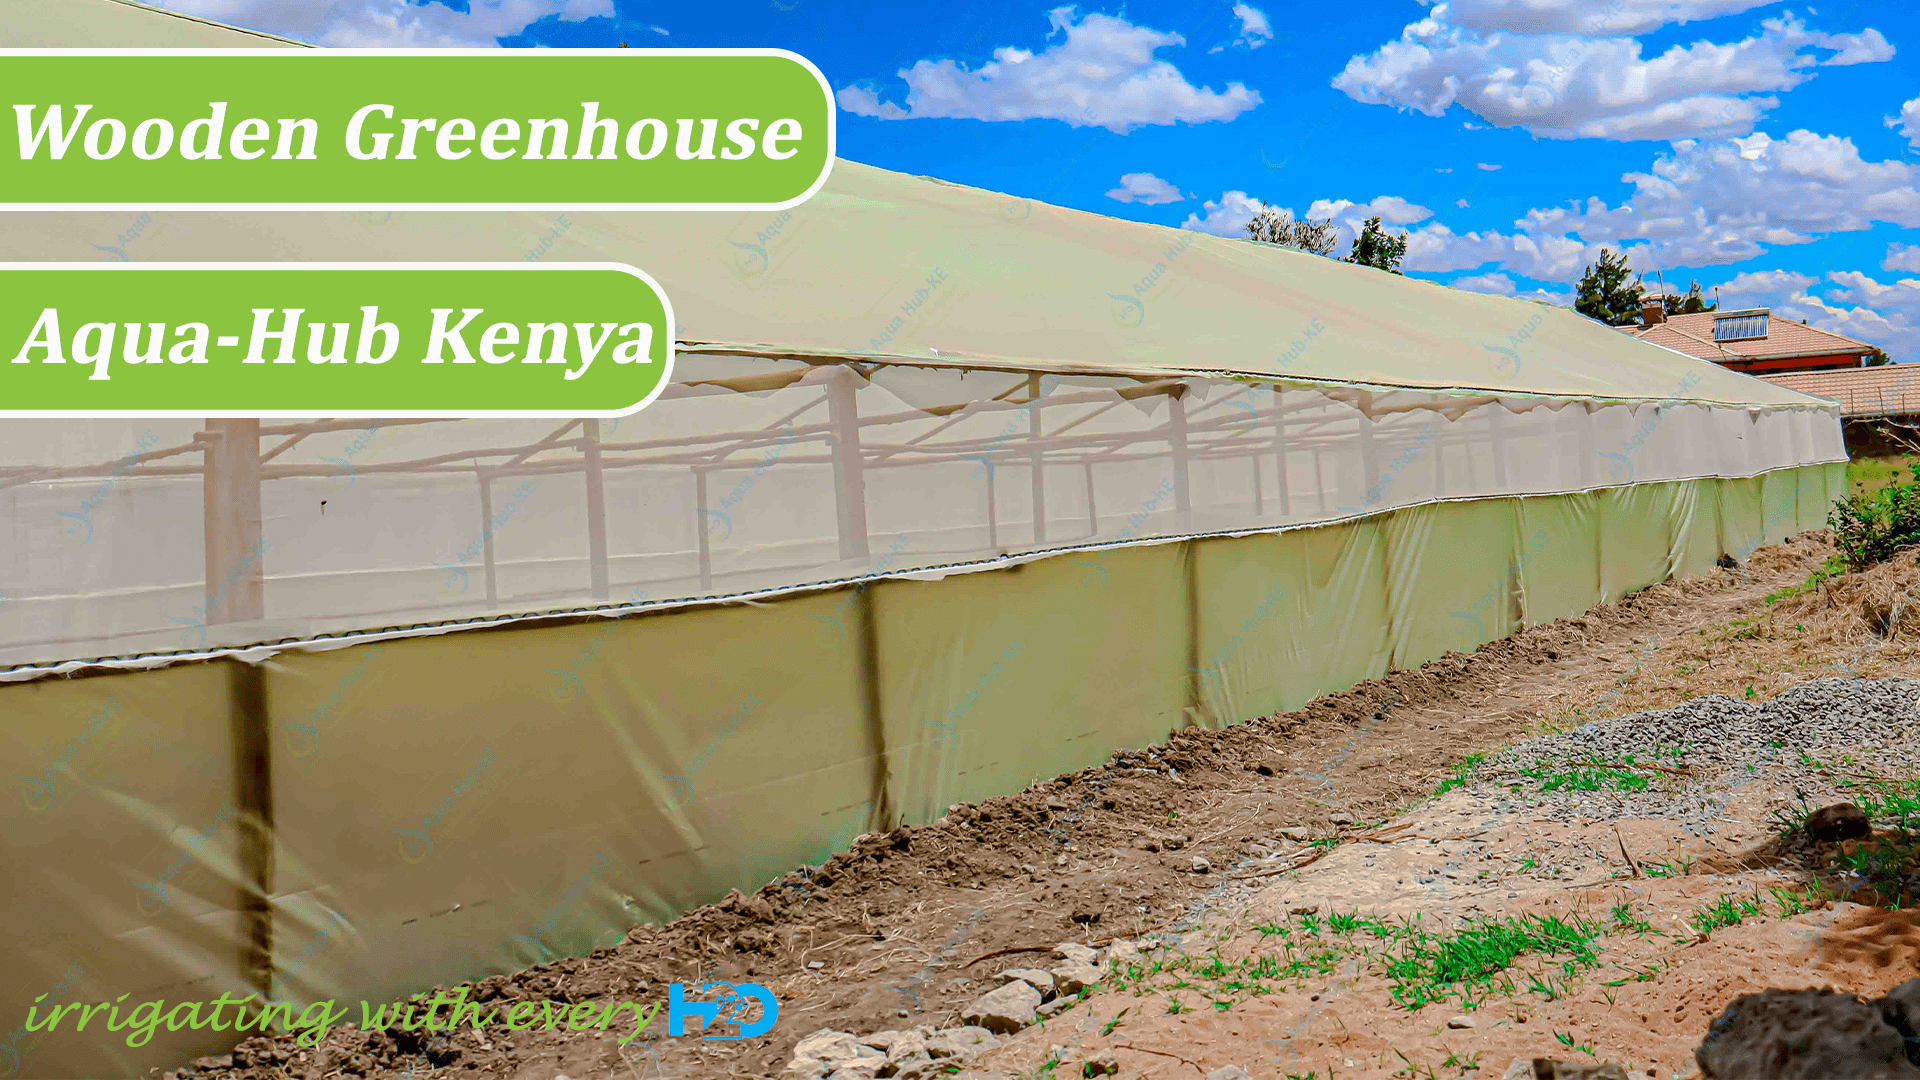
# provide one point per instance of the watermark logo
(348, 475)
(154, 896)
(196, 624)
(731, 1007)
(457, 581)
(1378, 491)
(1509, 353)
(887, 561)
(751, 259)
(539, 250)
(1135, 522)
(417, 844)
(1620, 468)
(1299, 345)
(303, 739)
(911, 308)
(118, 249)
(683, 785)
(80, 531)
(1132, 309)
(39, 792)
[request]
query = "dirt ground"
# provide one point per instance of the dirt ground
(1341, 809)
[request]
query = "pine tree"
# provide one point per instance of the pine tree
(1693, 303)
(1605, 294)
(1378, 248)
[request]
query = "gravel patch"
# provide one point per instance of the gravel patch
(1859, 726)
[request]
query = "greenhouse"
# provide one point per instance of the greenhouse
(951, 491)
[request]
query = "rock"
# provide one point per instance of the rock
(1459, 1022)
(1006, 1010)
(960, 1042)
(1230, 1072)
(883, 1040)
(1070, 977)
(1901, 1010)
(1201, 866)
(1120, 954)
(1795, 1034)
(1296, 834)
(1103, 1063)
(834, 1047)
(864, 1069)
(1057, 1006)
(1341, 819)
(1072, 950)
(919, 1068)
(1841, 821)
(805, 1069)
(1034, 977)
(1550, 1069)
(906, 1045)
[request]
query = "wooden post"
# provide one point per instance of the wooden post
(1093, 510)
(849, 475)
(596, 511)
(235, 549)
(1583, 435)
(486, 535)
(1280, 450)
(252, 742)
(1369, 457)
(702, 522)
(1497, 438)
(1038, 458)
(993, 513)
(1177, 439)
(881, 782)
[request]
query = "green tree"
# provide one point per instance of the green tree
(1878, 357)
(1378, 248)
(1693, 303)
(1605, 292)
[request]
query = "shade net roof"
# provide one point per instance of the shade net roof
(900, 376)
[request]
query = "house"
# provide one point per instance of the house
(1751, 341)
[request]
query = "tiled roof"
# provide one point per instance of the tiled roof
(1693, 335)
(1874, 391)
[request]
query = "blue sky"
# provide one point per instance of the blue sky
(1770, 149)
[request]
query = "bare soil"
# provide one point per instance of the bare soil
(892, 933)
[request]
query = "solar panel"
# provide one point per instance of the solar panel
(1739, 327)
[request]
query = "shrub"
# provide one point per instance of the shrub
(1871, 526)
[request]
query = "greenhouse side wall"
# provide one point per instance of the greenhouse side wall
(449, 807)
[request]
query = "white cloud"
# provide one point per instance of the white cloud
(394, 23)
(1715, 203)
(1390, 209)
(1908, 122)
(1490, 168)
(1436, 248)
(1255, 29)
(1902, 257)
(1579, 16)
(1226, 217)
(1443, 170)
(1102, 73)
(1868, 47)
(1145, 188)
(1883, 315)
(1461, 203)
(1562, 86)
(1496, 284)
